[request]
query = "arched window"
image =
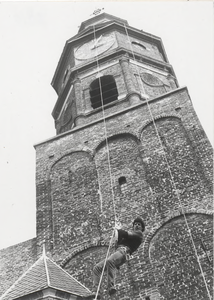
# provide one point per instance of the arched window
(103, 89)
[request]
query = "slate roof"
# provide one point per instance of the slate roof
(42, 274)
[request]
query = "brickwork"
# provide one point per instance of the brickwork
(78, 198)
(73, 210)
(180, 274)
(152, 82)
(151, 50)
(126, 83)
(149, 158)
(155, 85)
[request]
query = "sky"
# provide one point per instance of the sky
(32, 37)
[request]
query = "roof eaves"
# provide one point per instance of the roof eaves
(64, 291)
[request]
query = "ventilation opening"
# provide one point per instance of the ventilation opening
(123, 184)
(103, 89)
(122, 180)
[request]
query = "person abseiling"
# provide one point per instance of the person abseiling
(127, 242)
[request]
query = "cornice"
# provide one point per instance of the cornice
(75, 129)
(113, 54)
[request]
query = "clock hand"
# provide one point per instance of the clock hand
(96, 43)
(99, 38)
(97, 46)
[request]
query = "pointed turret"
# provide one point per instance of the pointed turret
(45, 277)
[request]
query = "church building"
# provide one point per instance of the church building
(128, 144)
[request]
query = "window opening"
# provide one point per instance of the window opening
(139, 44)
(122, 180)
(147, 298)
(105, 86)
(123, 184)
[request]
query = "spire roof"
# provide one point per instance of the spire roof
(44, 273)
(100, 18)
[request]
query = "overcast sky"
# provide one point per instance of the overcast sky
(32, 37)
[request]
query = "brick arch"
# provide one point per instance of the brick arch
(173, 162)
(125, 161)
(86, 246)
(173, 257)
(81, 263)
(69, 152)
(156, 117)
(116, 135)
(151, 232)
(73, 194)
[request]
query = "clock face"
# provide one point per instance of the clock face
(94, 47)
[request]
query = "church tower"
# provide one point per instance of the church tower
(128, 143)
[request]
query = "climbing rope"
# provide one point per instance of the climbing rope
(169, 169)
(104, 265)
(165, 158)
(109, 168)
(105, 132)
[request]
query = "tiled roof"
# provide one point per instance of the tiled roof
(42, 274)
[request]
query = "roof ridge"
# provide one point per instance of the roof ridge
(46, 266)
(20, 278)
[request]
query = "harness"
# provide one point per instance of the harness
(127, 252)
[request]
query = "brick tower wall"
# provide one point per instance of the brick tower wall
(75, 212)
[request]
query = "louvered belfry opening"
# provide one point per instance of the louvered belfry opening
(105, 86)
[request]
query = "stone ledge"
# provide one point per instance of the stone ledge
(113, 115)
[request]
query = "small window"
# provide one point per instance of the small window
(123, 184)
(122, 180)
(147, 298)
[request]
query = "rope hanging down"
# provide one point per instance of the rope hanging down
(169, 169)
(109, 167)
(168, 166)
(105, 132)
